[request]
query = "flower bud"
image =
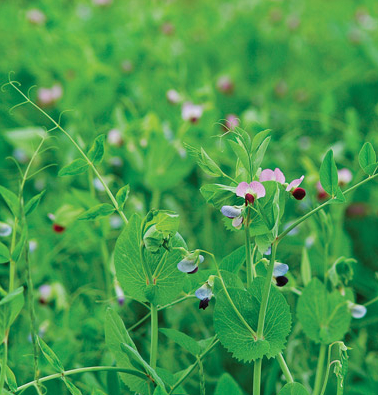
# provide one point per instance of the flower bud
(299, 193)
(249, 199)
(357, 310)
(58, 228)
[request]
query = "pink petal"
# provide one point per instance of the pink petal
(241, 189)
(257, 188)
(279, 175)
(295, 183)
(267, 175)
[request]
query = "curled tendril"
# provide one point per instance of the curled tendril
(13, 159)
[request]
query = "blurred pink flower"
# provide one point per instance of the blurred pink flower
(191, 112)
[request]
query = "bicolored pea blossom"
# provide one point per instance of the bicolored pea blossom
(115, 138)
(5, 229)
(235, 213)
(119, 293)
(357, 310)
(191, 112)
(205, 293)
(278, 176)
(190, 263)
(45, 293)
(279, 271)
(250, 192)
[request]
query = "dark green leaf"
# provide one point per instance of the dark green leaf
(4, 253)
(71, 387)
(227, 386)
(99, 211)
(32, 204)
(96, 153)
(368, 159)
(10, 307)
(78, 166)
(240, 152)
(208, 165)
(233, 261)
(182, 339)
(20, 245)
(293, 389)
(259, 156)
(219, 195)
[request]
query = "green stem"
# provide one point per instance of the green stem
(285, 368)
(83, 370)
(190, 370)
(155, 201)
(249, 264)
(320, 369)
(257, 376)
(154, 335)
(82, 153)
(371, 301)
(4, 362)
(202, 377)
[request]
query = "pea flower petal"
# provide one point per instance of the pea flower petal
(254, 188)
(280, 269)
(270, 175)
(357, 310)
(294, 184)
(231, 211)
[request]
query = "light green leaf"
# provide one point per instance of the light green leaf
(219, 195)
(122, 196)
(49, 354)
(234, 261)
(115, 335)
(324, 316)
(259, 138)
(293, 389)
(11, 200)
(183, 340)
(233, 333)
(368, 159)
(127, 259)
(33, 203)
(328, 174)
(227, 386)
(71, 387)
(241, 153)
(160, 391)
(78, 166)
(20, 245)
(10, 307)
(11, 380)
(259, 155)
(99, 211)
(4, 253)
(96, 153)
(208, 165)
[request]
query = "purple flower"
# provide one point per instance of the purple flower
(234, 213)
(279, 271)
(190, 263)
(204, 294)
(251, 191)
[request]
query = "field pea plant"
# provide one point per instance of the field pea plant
(261, 307)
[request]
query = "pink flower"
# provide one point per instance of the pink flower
(191, 112)
(232, 121)
(115, 138)
(49, 96)
(173, 96)
(251, 191)
(225, 85)
(345, 176)
(270, 175)
(36, 17)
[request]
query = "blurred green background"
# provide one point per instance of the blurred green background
(308, 70)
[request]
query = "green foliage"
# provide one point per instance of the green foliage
(33, 203)
(324, 316)
(234, 261)
(10, 307)
(4, 253)
(368, 159)
(49, 354)
(293, 389)
(219, 195)
(183, 340)
(99, 211)
(236, 336)
(78, 166)
(96, 152)
(122, 195)
(11, 200)
(227, 385)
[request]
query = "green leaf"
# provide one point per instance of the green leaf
(49, 354)
(368, 159)
(227, 386)
(324, 316)
(10, 307)
(78, 166)
(259, 138)
(129, 268)
(112, 383)
(219, 195)
(208, 165)
(115, 335)
(259, 155)
(20, 245)
(183, 340)
(293, 389)
(11, 200)
(33, 203)
(234, 261)
(338, 197)
(96, 153)
(305, 267)
(4, 253)
(240, 152)
(160, 391)
(99, 211)
(71, 387)
(11, 379)
(328, 174)
(122, 196)
(233, 333)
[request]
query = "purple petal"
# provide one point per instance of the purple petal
(267, 175)
(279, 175)
(230, 211)
(242, 188)
(236, 222)
(258, 189)
(280, 269)
(186, 266)
(295, 183)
